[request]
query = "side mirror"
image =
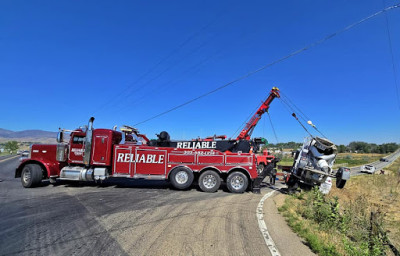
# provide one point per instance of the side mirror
(60, 137)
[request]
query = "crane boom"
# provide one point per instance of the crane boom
(248, 129)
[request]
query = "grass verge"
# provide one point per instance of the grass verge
(360, 219)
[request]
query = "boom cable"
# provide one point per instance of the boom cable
(314, 44)
(273, 128)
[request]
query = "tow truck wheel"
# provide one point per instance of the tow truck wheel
(237, 182)
(31, 175)
(209, 181)
(181, 178)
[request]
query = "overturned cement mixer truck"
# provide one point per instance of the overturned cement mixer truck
(313, 166)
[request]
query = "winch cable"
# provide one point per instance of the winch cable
(294, 115)
(289, 109)
(294, 105)
(314, 44)
(302, 115)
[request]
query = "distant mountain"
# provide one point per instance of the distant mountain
(4, 132)
(27, 135)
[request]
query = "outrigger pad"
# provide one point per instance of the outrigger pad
(266, 172)
(256, 190)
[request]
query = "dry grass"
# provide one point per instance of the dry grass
(381, 193)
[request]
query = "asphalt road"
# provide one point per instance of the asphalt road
(379, 165)
(131, 217)
(128, 217)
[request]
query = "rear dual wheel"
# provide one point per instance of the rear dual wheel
(209, 181)
(237, 182)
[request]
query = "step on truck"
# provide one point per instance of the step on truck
(98, 154)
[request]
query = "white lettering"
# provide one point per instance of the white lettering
(150, 158)
(127, 158)
(160, 159)
(120, 157)
(142, 159)
(179, 145)
(204, 144)
(214, 144)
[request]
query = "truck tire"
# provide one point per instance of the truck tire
(209, 181)
(31, 175)
(237, 182)
(181, 178)
(339, 181)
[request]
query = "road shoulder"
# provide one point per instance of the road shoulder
(287, 242)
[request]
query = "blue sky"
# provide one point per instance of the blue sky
(126, 61)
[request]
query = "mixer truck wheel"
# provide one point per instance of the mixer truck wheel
(339, 181)
(31, 175)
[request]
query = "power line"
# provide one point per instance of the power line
(169, 55)
(314, 44)
(393, 62)
(192, 70)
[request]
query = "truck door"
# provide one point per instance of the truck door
(150, 162)
(76, 149)
(100, 150)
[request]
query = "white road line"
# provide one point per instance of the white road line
(263, 227)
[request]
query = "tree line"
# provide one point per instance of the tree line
(364, 147)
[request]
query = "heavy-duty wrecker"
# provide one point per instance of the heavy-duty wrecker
(97, 154)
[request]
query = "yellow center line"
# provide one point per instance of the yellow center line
(8, 158)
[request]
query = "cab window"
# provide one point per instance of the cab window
(78, 139)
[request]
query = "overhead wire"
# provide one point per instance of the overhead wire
(165, 58)
(192, 70)
(392, 56)
(314, 44)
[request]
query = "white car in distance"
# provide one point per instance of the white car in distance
(368, 169)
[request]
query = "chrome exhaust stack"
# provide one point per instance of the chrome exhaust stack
(88, 142)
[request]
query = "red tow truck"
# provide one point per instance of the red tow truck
(97, 154)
